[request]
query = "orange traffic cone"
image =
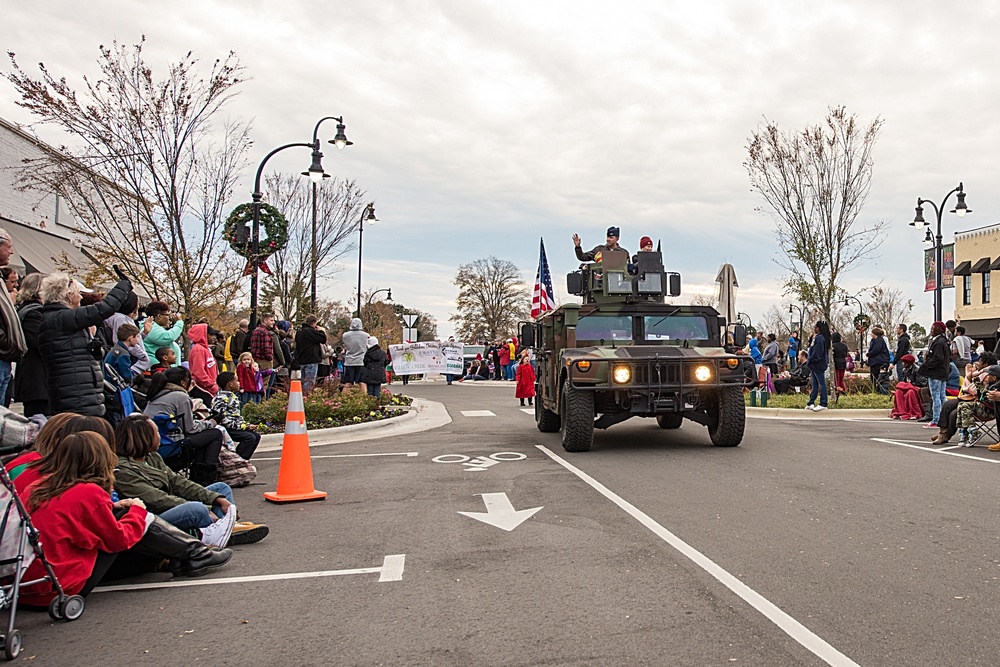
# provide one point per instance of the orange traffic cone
(295, 476)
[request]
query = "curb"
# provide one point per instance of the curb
(791, 413)
(422, 415)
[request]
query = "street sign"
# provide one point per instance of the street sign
(500, 513)
(410, 334)
(409, 319)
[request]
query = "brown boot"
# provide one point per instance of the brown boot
(941, 438)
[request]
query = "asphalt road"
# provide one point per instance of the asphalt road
(815, 542)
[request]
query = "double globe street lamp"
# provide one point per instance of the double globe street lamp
(918, 222)
(316, 174)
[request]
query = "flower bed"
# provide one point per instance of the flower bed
(326, 407)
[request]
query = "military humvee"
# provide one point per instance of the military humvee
(626, 353)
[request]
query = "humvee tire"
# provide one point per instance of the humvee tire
(576, 409)
(728, 406)
(546, 420)
(670, 420)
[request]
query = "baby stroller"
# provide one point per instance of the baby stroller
(19, 546)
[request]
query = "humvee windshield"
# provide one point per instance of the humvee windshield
(676, 327)
(605, 327)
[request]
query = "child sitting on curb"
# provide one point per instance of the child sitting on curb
(227, 404)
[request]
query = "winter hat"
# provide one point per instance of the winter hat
(908, 359)
(645, 241)
(994, 371)
(372, 341)
(614, 231)
(284, 325)
(356, 324)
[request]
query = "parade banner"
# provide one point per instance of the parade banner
(948, 268)
(427, 357)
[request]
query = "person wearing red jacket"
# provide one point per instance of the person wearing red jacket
(504, 359)
(525, 376)
(84, 532)
(201, 363)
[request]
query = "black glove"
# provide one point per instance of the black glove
(118, 272)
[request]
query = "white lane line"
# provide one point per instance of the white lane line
(528, 411)
(786, 623)
(336, 456)
(477, 413)
(935, 451)
(391, 570)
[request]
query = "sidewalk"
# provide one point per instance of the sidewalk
(793, 413)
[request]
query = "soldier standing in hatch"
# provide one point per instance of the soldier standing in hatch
(595, 254)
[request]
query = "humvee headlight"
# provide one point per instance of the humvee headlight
(583, 365)
(703, 374)
(732, 363)
(622, 374)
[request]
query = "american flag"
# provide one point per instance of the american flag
(542, 299)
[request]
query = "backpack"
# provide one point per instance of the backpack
(173, 444)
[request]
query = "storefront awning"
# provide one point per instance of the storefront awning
(995, 266)
(40, 252)
(963, 269)
(982, 266)
(986, 328)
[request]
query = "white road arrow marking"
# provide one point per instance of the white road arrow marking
(480, 463)
(500, 513)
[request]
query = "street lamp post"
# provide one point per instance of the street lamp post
(315, 172)
(918, 222)
(340, 141)
(793, 362)
(388, 296)
(367, 214)
(861, 312)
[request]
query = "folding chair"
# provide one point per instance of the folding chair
(984, 429)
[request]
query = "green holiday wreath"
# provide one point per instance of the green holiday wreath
(862, 323)
(271, 219)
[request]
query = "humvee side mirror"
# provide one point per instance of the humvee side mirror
(574, 283)
(740, 336)
(527, 334)
(674, 284)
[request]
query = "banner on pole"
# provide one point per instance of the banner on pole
(947, 268)
(427, 357)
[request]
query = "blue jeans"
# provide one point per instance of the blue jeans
(195, 514)
(818, 386)
(5, 378)
(793, 359)
(937, 389)
(374, 390)
(309, 372)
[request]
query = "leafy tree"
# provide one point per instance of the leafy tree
(816, 181)
(150, 172)
(492, 298)
(425, 324)
(918, 335)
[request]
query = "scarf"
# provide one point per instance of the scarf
(14, 344)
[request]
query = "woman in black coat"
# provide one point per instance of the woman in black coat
(30, 387)
(71, 356)
(878, 357)
(373, 374)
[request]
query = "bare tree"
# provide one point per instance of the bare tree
(148, 175)
(338, 212)
(816, 181)
(492, 298)
(887, 308)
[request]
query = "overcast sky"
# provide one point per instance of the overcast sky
(480, 127)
